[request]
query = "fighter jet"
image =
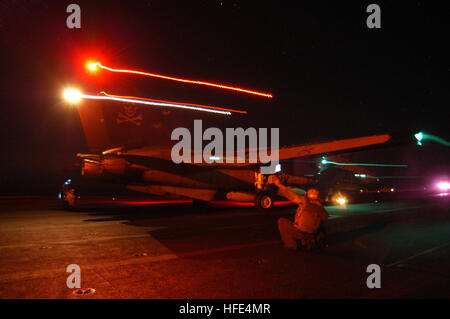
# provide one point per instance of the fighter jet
(131, 145)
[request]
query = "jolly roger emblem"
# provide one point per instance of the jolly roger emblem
(129, 115)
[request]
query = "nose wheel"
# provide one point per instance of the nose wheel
(264, 201)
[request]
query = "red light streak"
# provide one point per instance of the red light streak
(177, 103)
(221, 86)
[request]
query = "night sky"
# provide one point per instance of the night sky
(330, 75)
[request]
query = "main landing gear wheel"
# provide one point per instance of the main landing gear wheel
(264, 201)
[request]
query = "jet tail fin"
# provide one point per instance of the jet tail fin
(110, 124)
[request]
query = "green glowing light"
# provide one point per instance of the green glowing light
(362, 164)
(396, 177)
(419, 137)
(422, 137)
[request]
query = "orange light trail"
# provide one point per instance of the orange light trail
(92, 66)
(171, 102)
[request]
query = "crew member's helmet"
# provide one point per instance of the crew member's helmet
(312, 193)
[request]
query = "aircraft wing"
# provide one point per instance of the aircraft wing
(332, 146)
(288, 152)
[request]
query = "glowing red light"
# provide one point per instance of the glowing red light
(92, 66)
(221, 86)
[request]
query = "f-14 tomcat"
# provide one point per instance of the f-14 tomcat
(131, 146)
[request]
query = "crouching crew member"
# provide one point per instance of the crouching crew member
(68, 196)
(307, 227)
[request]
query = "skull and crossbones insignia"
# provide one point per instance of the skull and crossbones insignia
(130, 115)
